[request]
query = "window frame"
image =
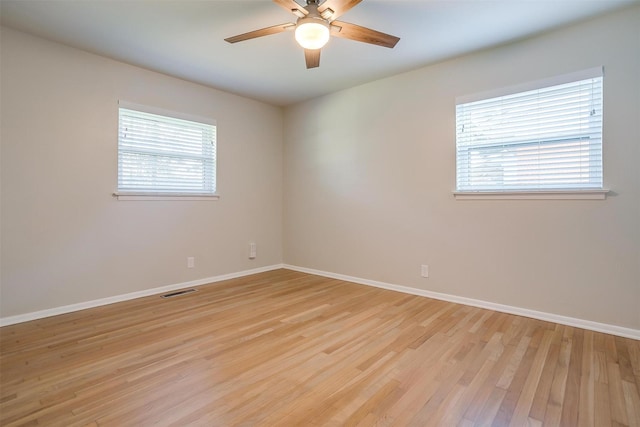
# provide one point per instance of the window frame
(587, 192)
(125, 194)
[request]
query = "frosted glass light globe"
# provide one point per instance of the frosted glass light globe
(312, 35)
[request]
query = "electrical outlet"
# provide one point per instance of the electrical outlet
(424, 270)
(191, 262)
(252, 250)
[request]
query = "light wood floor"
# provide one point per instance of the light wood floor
(286, 349)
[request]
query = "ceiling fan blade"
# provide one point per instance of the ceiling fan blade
(260, 33)
(331, 9)
(312, 56)
(362, 34)
(292, 7)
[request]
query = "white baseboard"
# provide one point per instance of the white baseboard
(549, 317)
(11, 320)
(540, 315)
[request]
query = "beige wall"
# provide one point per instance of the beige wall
(369, 174)
(65, 239)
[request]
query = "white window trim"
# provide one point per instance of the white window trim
(135, 196)
(537, 84)
(157, 196)
(587, 194)
(168, 113)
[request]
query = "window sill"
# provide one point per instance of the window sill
(592, 194)
(135, 196)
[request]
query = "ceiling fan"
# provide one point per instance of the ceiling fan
(316, 23)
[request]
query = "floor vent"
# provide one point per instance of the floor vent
(178, 293)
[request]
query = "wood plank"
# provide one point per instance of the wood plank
(570, 405)
(523, 406)
(617, 400)
(557, 393)
(632, 401)
(602, 411)
(543, 391)
(586, 403)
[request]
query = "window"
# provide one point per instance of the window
(165, 154)
(545, 138)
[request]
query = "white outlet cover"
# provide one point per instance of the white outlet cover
(424, 270)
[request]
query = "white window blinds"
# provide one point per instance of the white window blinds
(548, 138)
(165, 155)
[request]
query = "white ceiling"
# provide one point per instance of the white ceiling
(184, 38)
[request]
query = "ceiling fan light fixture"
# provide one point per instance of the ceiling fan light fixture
(316, 24)
(312, 33)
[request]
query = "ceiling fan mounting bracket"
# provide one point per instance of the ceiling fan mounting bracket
(298, 13)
